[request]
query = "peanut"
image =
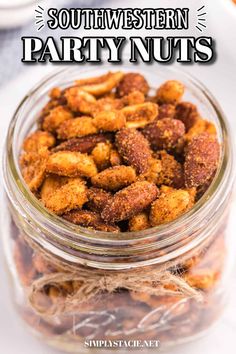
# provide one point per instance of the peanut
(71, 164)
(139, 115)
(75, 128)
(170, 92)
(61, 194)
(114, 178)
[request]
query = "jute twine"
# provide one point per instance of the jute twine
(155, 280)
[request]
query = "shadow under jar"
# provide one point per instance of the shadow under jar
(71, 284)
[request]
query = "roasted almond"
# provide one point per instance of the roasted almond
(164, 133)
(202, 159)
(98, 198)
(130, 201)
(134, 149)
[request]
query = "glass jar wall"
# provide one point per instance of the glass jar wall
(168, 283)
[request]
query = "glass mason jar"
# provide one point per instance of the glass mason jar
(72, 285)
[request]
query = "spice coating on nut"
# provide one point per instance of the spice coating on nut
(202, 159)
(130, 201)
(132, 82)
(105, 147)
(134, 149)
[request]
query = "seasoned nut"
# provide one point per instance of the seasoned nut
(38, 140)
(107, 104)
(85, 144)
(187, 113)
(100, 85)
(125, 144)
(114, 178)
(170, 92)
(72, 164)
(55, 93)
(55, 118)
(202, 158)
(101, 155)
(134, 149)
(171, 173)
(98, 198)
(89, 219)
(33, 168)
(169, 206)
(201, 190)
(109, 121)
(164, 133)
(79, 100)
(133, 98)
(61, 194)
(153, 172)
(139, 115)
(75, 128)
(130, 201)
(115, 158)
(166, 110)
(204, 279)
(139, 222)
(200, 126)
(132, 82)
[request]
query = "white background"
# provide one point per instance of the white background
(220, 78)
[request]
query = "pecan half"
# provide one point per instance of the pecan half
(85, 144)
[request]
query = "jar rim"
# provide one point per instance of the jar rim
(96, 239)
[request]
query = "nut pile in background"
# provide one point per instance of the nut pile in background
(109, 157)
